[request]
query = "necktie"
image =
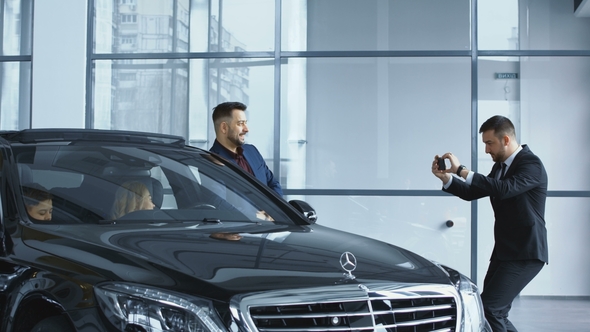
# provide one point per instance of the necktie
(503, 172)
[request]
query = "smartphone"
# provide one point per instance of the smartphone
(441, 164)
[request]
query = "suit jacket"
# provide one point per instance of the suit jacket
(256, 162)
(518, 201)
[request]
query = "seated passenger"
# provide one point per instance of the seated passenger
(38, 202)
(131, 196)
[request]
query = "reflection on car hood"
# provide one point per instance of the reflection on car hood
(257, 258)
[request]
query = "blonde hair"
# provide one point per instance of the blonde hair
(128, 198)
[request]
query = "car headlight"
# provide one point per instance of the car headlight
(473, 318)
(473, 315)
(137, 308)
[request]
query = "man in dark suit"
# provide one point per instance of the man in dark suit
(517, 186)
(231, 127)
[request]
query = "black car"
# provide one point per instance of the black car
(200, 246)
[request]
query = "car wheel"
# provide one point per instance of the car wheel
(53, 324)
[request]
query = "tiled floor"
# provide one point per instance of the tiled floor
(551, 314)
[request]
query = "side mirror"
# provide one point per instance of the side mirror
(305, 209)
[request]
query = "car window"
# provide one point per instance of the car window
(108, 184)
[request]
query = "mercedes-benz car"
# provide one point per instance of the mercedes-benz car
(128, 231)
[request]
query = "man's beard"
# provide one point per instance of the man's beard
(499, 157)
(236, 140)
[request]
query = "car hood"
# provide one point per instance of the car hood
(255, 258)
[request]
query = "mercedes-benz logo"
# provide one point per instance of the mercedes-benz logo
(348, 262)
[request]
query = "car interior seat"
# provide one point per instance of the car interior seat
(25, 174)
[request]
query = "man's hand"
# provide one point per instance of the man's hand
(455, 163)
(441, 174)
(264, 216)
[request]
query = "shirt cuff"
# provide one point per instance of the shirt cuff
(448, 184)
(469, 177)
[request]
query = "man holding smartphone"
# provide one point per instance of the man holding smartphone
(517, 187)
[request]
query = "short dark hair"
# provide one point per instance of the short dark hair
(501, 126)
(35, 193)
(224, 110)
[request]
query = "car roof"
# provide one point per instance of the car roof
(91, 135)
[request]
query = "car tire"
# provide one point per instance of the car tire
(53, 324)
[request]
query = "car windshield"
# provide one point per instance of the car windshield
(97, 183)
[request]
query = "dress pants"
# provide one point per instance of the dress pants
(503, 282)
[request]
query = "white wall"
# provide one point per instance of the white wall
(59, 64)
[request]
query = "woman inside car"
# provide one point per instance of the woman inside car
(131, 196)
(38, 202)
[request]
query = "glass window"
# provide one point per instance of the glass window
(242, 25)
(152, 95)
(372, 123)
(497, 24)
(567, 228)
(15, 26)
(95, 182)
(170, 26)
(339, 25)
(141, 26)
(531, 25)
(15, 95)
(547, 99)
(548, 96)
(250, 81)
(15, 76)
(142, 95)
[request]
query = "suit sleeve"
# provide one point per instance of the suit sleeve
(270, 179)
(527, 174)
(464, 191)
(272, 182)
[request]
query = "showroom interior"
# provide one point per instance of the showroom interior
(348, 101)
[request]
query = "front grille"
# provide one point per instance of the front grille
(399, 309)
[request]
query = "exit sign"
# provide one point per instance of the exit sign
(505, 76)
